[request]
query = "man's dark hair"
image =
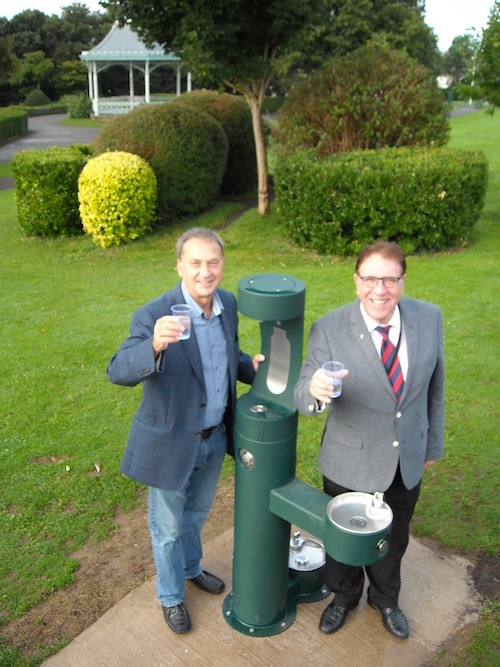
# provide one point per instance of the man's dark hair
(388, 249)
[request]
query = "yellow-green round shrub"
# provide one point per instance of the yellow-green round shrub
(117, 194)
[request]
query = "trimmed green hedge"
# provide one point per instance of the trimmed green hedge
(47, 190)
(233, 113)
(425, 199)
(186, 148)
(13, 123)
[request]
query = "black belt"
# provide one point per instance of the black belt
(206, 433)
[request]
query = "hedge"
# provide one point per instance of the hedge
(372, 98)
(13, 123)
(117, 194)
(425, 199)
(233, 113)
(186, 148)
(47, 189)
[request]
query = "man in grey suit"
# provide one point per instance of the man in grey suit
(387, 426)
(184, 424)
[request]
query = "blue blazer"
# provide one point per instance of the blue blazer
(163, 441)
(368, 433)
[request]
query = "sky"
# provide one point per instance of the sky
(447, 18)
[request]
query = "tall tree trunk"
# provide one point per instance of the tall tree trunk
(254, 95)
(261, 155)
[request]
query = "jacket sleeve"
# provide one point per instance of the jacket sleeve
(435, 443)
(317, 349)
(135, 360)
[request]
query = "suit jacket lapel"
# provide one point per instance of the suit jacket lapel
(410, 325)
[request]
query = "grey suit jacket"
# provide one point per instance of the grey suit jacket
(367, 432)
(162, 444)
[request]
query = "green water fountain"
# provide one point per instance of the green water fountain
(273, 568)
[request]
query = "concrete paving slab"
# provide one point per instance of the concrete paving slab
(438, 598)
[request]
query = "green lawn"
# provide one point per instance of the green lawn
(66, 307)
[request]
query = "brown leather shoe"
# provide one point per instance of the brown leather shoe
(394, 620)
(209, 583)
(177, 618)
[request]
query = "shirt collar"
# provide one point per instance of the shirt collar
(372, 324)
(217, 306)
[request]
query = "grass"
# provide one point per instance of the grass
(66, 307)
(5, 169)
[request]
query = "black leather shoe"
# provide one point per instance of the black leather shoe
(209, 583)
(333, 618)
(177, 618)
(394, 620)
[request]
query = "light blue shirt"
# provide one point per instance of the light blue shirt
(213, 351)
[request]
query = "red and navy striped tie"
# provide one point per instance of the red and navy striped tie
(389, 355)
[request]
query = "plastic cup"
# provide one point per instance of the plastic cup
(183, 314)
(331, 369)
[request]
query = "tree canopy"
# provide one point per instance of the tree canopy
(60, 40)
(398, 24)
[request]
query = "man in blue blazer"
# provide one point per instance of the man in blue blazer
(184, 424)
(377, 437)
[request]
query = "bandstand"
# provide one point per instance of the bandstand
(122, 46)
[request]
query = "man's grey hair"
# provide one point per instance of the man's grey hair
(198, 233)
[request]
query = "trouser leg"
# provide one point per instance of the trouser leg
(385, 576)
(176, 519)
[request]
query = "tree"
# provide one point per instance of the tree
(459, 60)
(373, 98)
(488, 66)
(234, 42)
(354, 23)
(71, 77)
(6, 59)
(60, 39)
(32, 70)
(77, 30)
(27, 30)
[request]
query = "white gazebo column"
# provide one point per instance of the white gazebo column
(189, 82)
(147, 83)
(89, 77)
(178, 85)
(95, 89)
(131, 83)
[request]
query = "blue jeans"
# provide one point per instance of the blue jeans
(176, 518)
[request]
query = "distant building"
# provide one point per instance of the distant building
(445, 81)
(122, 46)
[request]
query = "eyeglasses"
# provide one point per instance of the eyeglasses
(371, 281)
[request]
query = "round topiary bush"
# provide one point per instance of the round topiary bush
(37, 98)
(186, 148)
(117, 195)
(234, 115)
(374, 97)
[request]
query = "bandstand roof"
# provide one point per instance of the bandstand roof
(121, 44)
